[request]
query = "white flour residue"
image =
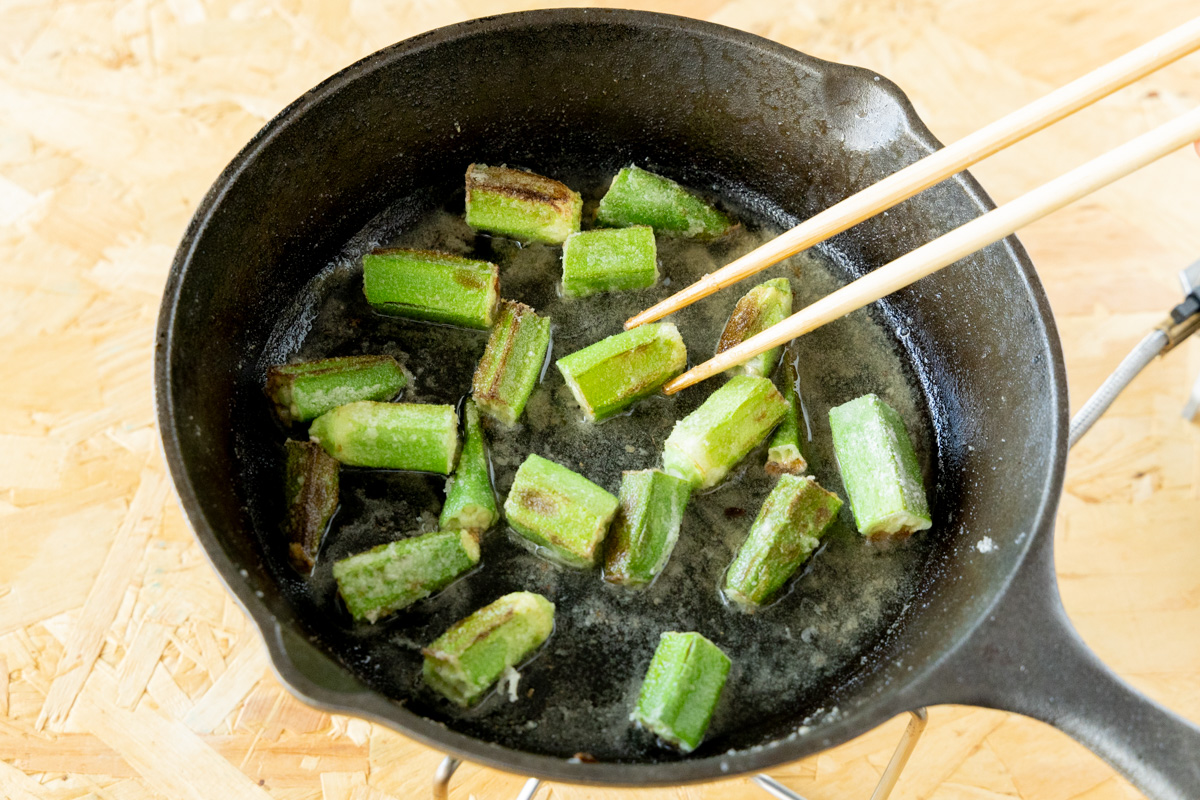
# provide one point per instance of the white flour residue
(511, 678)
(985, 545)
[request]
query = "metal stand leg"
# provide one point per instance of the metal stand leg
(908, 743)
(442, 776)
(445, 771)
(891, 774)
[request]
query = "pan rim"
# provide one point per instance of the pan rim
(377, 708)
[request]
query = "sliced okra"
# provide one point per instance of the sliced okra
(639, 197)
(879, 468)
(521, 205)
(512, 362)
(562, 513)
(414, 436)
(470, 503)
(311, 489)
(393, 576)
(464, 662)
(706, 444)
(612, 374)
(307, 390)
(787, 530)
(681, 689)
(435, 287)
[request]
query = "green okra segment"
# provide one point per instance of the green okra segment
(464, 662)
(646, 526)
(681, 689)
(412, 436)
(521, 205)
(470, 504)
(638, 197)
(706, 444)
(512, 362)
(757, 310)
(393, 576)
(879, 468)
(435, 287)
(783, 451)
(307, 390)
(311, 492)
(612, 374)
(609, 259)
(561, 512)
(787, 530)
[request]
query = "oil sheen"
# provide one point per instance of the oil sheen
(575, 695)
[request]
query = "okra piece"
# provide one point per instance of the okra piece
(646, 527)
(783, 451)
(393, 576)
(757, 310)
(612, 374)
(434, 287)
(638, 197)
(560, 512)
(311, 488)
(307, 390)
(706, 444)
(414, 436)
(521, 205)
(512, 362)
(609, 259)
(470, 504)
(785, 533)
(879, 469)
(464, 662)
(681, 689)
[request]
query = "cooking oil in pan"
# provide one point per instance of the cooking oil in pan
(576, 694)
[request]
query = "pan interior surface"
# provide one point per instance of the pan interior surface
(376, 156)
(577, 694)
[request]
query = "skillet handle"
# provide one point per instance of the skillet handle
(1027, 658)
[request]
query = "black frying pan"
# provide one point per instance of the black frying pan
(782, 134)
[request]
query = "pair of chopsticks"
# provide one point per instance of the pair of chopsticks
(962, 241)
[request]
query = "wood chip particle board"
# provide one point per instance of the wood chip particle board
(114, 119)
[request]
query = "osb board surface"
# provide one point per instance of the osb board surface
(125, 671)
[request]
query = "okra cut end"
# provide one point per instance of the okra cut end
(639, 197)
(611, 259)
(788, 528)
(395, 575)
(411, 436)
(706, 444)
(559, 513)
(311, 489)
(614, 373)
(512, 362)
(760, 308)
(466, 660)
(681, 689)
(521, 205)
(470, 502)
(646, 526)
(307, 390)
(785, 459)
(784, 455)
(434, 287)
(879, 469)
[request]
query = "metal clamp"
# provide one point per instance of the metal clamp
(891, 774)
(445, 771)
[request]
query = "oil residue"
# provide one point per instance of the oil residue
(576, 694)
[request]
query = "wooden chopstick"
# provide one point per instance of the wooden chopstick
(938, 166)
(962, 241)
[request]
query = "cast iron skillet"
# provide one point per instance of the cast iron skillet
(709, 106)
